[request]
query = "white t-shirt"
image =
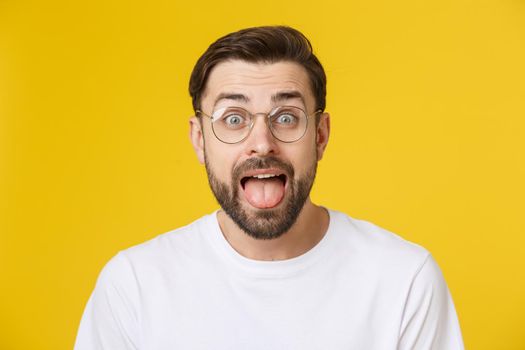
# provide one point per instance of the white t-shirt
(359, 288)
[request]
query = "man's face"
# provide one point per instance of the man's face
(261, 182)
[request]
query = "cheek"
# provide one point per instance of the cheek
(309, 148)
(221, 161)
(303, 157)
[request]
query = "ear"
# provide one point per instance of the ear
(197, 138)
(323, 133)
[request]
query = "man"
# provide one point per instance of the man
(270, 270)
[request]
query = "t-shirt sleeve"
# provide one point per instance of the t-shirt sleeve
(110, 318)
(429, 319)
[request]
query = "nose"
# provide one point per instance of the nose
(261, 142)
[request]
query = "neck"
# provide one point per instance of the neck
(308, 230)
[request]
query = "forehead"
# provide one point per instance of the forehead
(259, 83)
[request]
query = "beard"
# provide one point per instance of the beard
(268, 223)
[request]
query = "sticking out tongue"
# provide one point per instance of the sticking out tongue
(264, 193)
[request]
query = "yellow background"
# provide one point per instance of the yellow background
(428, 137)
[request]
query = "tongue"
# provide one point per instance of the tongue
(264, 193)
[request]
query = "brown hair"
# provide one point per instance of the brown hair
(267, 44)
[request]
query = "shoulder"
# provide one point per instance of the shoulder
(167, 250)
(366, 236)
(178, 242)
(400, 269)
(375, 247)
(131, 279)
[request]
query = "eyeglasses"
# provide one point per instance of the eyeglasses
(233, 124)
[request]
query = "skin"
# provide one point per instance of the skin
(258, 82)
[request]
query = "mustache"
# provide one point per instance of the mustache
(262, 163)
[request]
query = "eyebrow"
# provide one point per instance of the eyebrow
(288, 95)
(231, 96)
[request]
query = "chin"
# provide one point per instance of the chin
(256, 220)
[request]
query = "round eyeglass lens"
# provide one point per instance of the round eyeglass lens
(231, 124)
(288, 123)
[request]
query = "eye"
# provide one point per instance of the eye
(233, 120)
(286, 119)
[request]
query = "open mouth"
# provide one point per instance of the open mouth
(264, 190)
